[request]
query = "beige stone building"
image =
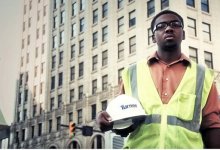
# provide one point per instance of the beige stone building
(72, 55)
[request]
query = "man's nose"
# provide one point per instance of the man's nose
(169, 29)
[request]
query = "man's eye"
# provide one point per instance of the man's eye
(161, 26)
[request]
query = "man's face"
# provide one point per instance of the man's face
(168, 32)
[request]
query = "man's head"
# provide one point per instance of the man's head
(162, 13)
(167, 28)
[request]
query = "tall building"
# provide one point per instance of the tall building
(72, 56)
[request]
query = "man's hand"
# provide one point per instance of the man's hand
(104, 121)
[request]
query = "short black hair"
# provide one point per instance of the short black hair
(162, 13)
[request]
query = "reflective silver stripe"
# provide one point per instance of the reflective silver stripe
(133, 80)
(154, 118)
(193, 125)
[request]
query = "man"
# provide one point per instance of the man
(179, 96)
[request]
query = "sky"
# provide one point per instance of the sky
(10, 44)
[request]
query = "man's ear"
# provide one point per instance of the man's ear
(153, 38)
(183, 35)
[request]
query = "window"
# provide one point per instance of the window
(18, 116)
(94, 86)
(25, 95)
(61, 37)
(74, 31)
(74, 9)
(52, 83)
(62, 2)
(22, 44)
(41, 108)
(121, 25)
(52, 103)
(32, 131)
(29, 22)
(132, 44)
(70, 116)
(36, 52)
(190, 3)
(25, 7)
(81, 69)
(42, 48)
(193, 54)
(95, 39)
(39, 129)
(104, 105)
(105, 58)
(121, 50)
(105, 10)
(104, 82)
(54, 4)
(58, 123)
(35, 71)
(98, 142)
(22, 134)
(132, 19)
(50, 125)
(61, 58)
(81, 47)
(82, 5)
(59, 101)
(205, 5)
(208, 59)
(60, 79)
(192, 26)
(37, 33)
(62, 17)
(72, 95)
(150, 8)
(34, 110)
(93, 111)
(45, 10)
(21, 79)
(29, 39)
(80, 92)
(95, 16)
(120, 74)
(42, 68)
(54, 42)
(72, 73)
(79, 113)
(34, 91)
(82, 25)
(30, 4)
(105, 34)
(27, 58)
(206, 29)
(53, 62)
(94, 62)
(25, 114)
(120, 3)
(164, 4)
(149, 34)
(73, 51)
(41, 87)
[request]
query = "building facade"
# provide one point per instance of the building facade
(72, 56)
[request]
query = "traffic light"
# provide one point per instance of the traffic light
(72, 128)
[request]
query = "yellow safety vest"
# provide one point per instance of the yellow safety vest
(172, 125)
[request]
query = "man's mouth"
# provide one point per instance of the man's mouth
(170, 36)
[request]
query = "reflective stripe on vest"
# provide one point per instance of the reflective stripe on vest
(193, 125)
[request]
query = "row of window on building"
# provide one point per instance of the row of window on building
(37, 130)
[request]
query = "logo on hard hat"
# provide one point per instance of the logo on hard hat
(128, 106)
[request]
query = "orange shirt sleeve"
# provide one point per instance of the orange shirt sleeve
(211, 111)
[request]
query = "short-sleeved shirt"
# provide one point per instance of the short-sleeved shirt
(167, 78)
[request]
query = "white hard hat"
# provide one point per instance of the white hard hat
(123, 109)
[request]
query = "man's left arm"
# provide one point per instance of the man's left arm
(210, 127)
